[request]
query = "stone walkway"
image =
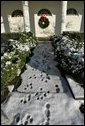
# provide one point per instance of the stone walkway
(43, 96)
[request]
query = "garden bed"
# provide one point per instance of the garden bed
(69, 53)
(14, 53)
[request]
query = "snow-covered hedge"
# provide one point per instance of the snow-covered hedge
(13, 58)
(69, 53)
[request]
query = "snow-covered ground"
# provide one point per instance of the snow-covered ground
(43, 97)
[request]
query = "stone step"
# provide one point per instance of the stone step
(76, 89)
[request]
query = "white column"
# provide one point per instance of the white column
(63, 15)
(6, 23)
(26, 15)
(2, 25)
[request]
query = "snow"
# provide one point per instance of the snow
(5, 54)
(18, 72)
(70, 55)
(20, 46)
(77, 90)
(10, 88)
(8, 63)
(64, 110)
(2, 57)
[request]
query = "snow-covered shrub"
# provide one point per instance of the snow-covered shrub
(13, 58)
(70, 56)
(29, 39)
(75, 36)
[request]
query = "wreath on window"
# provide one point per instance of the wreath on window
(43, 22)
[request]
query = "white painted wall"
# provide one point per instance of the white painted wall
(47, 32)
(16, 24)
(55, 9)
(7, 7)
(75, 22)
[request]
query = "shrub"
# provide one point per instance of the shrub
(16, 47)
(79, 37)
(70, 56)
(16, 36)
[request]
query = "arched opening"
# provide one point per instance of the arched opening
(44, 12)
(17, 13)
(72, 11)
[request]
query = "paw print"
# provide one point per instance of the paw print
(25, 99)
(27, 119)
(57, 89)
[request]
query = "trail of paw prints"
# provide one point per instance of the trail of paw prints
(27, 119)
(47, 114)
(46, 78)
(28, 86)
(25, 99)
(41, 94)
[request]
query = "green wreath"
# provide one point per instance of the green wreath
(43, 22)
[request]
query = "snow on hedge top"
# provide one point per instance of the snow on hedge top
(71, 48)
(17, 45)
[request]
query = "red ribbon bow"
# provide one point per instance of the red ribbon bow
(43, 18)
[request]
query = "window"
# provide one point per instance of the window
(44, 11)
(72, 11)
(17, 13)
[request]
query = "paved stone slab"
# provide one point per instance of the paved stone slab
(42, 72)
(42, 85)
(77, 90)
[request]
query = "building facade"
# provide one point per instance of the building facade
(43, 18)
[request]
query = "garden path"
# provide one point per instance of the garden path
(43, 96)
